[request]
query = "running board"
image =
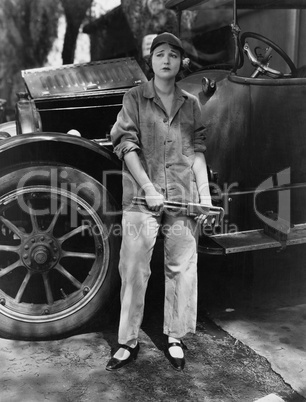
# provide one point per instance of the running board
(250, 240)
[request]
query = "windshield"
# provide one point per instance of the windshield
(207, 31)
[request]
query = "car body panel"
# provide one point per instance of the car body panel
(256, 126)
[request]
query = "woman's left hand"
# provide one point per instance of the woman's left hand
(205, 220)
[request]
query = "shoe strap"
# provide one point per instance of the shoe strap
(181, 344)
(170, 344)
(129, 348)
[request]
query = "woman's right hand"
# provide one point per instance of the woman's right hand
(154, 200)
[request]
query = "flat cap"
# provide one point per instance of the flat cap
(169, 38)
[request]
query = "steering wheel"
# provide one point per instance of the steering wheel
(261, 62)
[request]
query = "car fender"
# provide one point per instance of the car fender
(89, 156)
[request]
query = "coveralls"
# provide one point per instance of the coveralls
(165, 146)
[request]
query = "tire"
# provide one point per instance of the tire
(58, 252)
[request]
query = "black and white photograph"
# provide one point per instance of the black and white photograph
(153, 200)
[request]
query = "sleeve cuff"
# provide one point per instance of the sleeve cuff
(124, 147)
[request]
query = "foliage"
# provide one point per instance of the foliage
(27, 32)
(148, 17)
(31, 27)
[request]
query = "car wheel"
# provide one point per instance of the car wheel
(58, 251)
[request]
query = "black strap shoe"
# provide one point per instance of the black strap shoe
(115, 363)
(177, 362)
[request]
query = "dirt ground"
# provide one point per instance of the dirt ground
(218, 367)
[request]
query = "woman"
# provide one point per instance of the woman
(160, 138)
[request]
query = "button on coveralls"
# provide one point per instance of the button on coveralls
(166, 146)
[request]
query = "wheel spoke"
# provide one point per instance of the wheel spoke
(10, 268)
(23, 287)
(65, 273)
(48, 290)
(55, 218)
(33, 218)
(12, 227)
(73, 233)
(78, 254)
(12, 249)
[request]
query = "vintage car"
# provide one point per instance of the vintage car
(60, 183)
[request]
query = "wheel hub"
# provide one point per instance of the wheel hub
(40, 253)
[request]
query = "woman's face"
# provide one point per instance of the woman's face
(166, 61)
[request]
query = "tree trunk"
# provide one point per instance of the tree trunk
(70, 41)
(75, 12)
